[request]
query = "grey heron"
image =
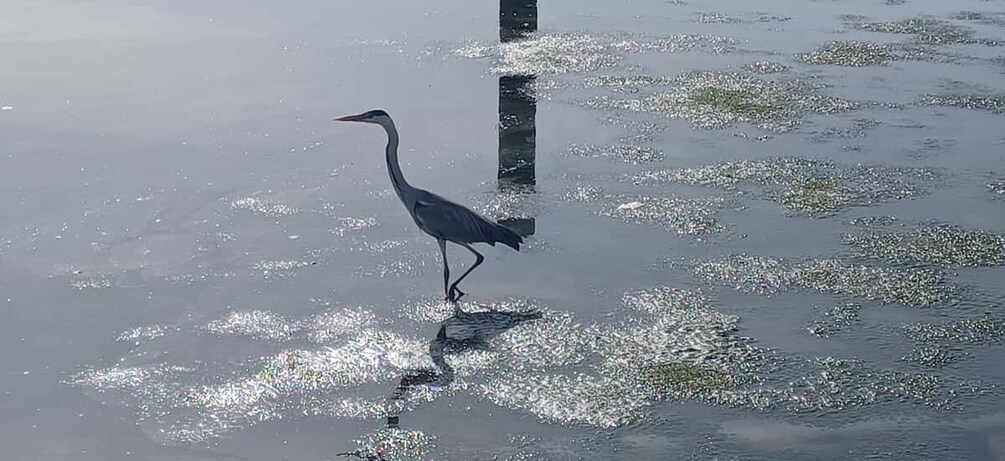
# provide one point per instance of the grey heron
(442, 219)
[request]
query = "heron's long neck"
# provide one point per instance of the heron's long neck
(393, 167)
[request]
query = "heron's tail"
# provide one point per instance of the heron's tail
(507, 237)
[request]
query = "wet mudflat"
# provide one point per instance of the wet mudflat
(770, 231)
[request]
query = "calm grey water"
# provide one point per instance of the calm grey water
(196, 263)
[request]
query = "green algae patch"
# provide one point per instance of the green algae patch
(765, 67)
(685, 380)
(803, 185)
(975, 330)
(982, 17)
(912, 287)
(763, 275)
(851, 54)
(816, 194)
(934, 243)
(743, 102)
(929, 31)
(711, 99)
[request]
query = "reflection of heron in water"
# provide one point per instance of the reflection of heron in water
(461, 332)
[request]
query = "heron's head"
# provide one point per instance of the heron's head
(371, 116)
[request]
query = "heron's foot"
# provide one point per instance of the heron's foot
(456, 293)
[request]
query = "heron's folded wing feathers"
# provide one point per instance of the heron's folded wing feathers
(453, 222)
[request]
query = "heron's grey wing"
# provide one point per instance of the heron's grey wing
(453, 222)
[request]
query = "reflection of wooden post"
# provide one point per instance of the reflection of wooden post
(516, 19)
(517, 130)
(517, 110)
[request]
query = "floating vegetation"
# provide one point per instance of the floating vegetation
(942, 342)
(913, 287)
(805, 185)
(259, 206)
(815, 194)
(934, 243)
(568, 399)
(765, 67)
(857, 129)
(257, 324)
(873, 221)
(553, 54)
(765, 276)
(840, 384)
(834, 320)
(717, 99)
(851, 53)
(932, 356)
(683, 216)
(676, 326)
(685, 381)
(930, 31)
(670, 345)
(994, 103)
(989, 18)
(750, 274)
(626, 83)
(720, 18)
(676, 347)
(631, 154)
(976, 330)
(743, 101)
(393, 444)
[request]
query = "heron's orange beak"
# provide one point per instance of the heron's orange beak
(350, 118)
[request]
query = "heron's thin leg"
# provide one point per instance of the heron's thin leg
(478, 260)
(446, 269)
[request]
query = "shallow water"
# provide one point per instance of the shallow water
(757, 232)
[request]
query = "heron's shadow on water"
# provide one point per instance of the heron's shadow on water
(459, 333)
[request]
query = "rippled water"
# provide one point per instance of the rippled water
(769, 231)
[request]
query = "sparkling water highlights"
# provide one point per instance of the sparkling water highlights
(630, 154)
(555, 54)
(683, 216)
(834, 320)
